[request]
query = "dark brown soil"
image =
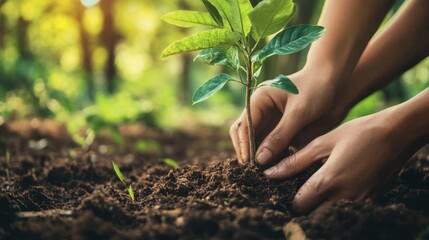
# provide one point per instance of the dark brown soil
(64, 192)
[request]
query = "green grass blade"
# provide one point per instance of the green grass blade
(131, 192)
(171, 163)
(7, 158)
(118, 172)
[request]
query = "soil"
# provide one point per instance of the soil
(54, 189)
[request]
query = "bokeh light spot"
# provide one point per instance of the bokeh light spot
(89, 3)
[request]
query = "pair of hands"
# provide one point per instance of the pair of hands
(359, 156)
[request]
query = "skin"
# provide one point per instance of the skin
(341, 70)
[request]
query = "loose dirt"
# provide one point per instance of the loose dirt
(54, 189)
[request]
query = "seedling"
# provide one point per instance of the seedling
(121, 178)
(7, 156)
(234, 40)
(170, 162)
(148, 146)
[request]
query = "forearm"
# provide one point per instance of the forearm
(411, 118)
(350, 24)
(402, 44)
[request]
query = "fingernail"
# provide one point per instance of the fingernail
(245, 158)
(270, 171)
(264, 156)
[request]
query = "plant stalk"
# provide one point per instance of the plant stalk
(250, 130)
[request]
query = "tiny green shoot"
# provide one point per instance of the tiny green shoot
(7, 162)
(7, 158)
(234, 39)
(170, 162)
(122, 179)
(148, 146)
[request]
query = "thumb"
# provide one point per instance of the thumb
(278, 139)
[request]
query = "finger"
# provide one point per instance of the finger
(278, 139)
(312, 193)
(243, 139)
(233, 133)
(308, 133)
(301, 160)
(319, 211)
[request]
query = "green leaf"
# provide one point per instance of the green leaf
(225, 12)
(118, 172)
(219, 56)
(202, 40)
(171, 163)
(183, 18)
(131, 192)
(291, 40)
(284, 83)
(240, 10)
(269, 16)
(213, 12)
(210, 87)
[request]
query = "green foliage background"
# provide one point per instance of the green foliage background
(97, 63)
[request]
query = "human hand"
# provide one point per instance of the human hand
(359, 158)
(281, 118)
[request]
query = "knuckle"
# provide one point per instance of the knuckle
(288, 165)
(316, 144)
(275, 138)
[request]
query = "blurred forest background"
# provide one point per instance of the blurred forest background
(97, 63)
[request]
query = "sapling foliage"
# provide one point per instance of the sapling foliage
(122, 179)
(234, 39)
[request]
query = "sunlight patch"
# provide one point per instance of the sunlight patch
(89, 3)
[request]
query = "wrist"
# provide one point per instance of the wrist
(408, 121)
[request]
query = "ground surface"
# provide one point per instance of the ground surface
(54, 189)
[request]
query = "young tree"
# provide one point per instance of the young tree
(237, 29)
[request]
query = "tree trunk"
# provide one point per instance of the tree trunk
(109, 39)
(185, 78)
(21, 72)
(86, 53)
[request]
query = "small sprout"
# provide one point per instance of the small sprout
(118, 172)
(121, 178)
(148, 146)
(7, 158)
(170, 162)
(131, 192)
(7, 163)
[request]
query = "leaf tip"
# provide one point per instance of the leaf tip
(131, 192)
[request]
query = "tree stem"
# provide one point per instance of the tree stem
(250, 130)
